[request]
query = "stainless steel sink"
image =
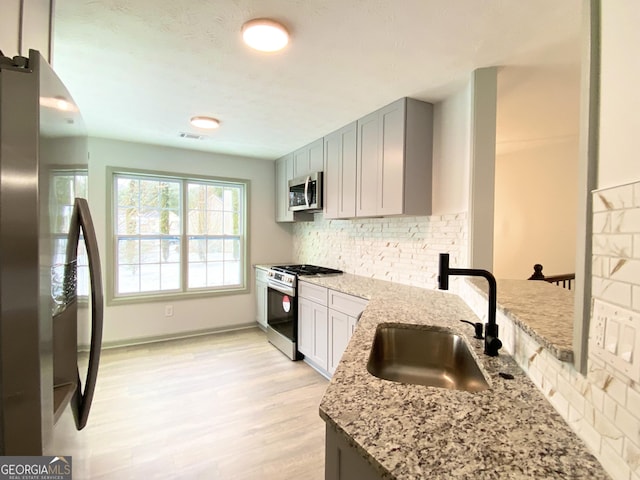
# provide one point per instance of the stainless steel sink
(424, 356)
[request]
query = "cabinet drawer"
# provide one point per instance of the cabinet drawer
(312, 292)
(348, 304)
(261, 274)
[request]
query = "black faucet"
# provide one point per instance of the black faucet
(491, 341)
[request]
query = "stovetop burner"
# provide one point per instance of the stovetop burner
(306, 270)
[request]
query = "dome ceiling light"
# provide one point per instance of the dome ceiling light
(265, 35)
(208, 123)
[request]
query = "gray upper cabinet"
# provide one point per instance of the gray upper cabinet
(284, 173)
(308, 159)
(394, 158)
(340, 173)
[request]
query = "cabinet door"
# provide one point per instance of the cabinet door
(308, 159)
(391, 159)
(261, 303)
(340, 173)
(301, 162)
(306, 328)
(339, 334)
(321, 340)
(316, 156)
(313, 332)
(367, 165)
(332, 176)
(347, 203)
(284, 173)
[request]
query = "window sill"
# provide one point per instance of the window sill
(170, 297)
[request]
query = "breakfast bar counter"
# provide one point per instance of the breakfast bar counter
(407, 431)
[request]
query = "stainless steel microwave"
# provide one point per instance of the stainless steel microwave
(305, 193)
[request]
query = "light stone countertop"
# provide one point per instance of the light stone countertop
(543, 310)
(509, 431)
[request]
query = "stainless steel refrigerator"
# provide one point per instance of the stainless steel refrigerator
(41, 135)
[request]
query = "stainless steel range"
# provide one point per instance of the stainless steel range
(282, 305)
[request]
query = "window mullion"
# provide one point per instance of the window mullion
(184, 260)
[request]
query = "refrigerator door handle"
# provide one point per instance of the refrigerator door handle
(81, 218)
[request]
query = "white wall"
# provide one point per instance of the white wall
(536, 209)
(619, 100)
(451, 153)
(538, 118)
(268, 241)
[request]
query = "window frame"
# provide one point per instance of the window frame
(113, 298)
(75, 171)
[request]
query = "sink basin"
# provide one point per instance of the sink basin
(424, 356)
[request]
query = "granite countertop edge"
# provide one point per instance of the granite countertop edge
(561, 352)
(507, 431)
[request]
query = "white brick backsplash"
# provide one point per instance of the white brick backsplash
(616, 389)
(398, 249)
(614, 198)
(636, 246)
(611, 291)
(623, 221)
(628, 424)
(624, 270)
(559, 402)
(636, 194)
(635, 298)
(633, 402)
(613, 245)
(589, 434)
(595, 396)
(614, 464)
(605, 427)
(632, 455)
(601, 222)
(610, 407)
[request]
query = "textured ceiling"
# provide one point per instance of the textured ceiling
(139, 69)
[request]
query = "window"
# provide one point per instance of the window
(175, 235)
(65, 187)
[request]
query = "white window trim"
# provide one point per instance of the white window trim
(111, 254)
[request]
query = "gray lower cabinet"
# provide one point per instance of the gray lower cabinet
(326, 322)
(261, 297)
(394, 157)
(284, 173)
(343, 313)
(340, 172)
(312, 332)
(342, 460)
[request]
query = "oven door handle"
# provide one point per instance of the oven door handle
(282, 289)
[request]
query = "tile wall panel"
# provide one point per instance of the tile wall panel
(398, 249)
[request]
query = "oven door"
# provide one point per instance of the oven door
(282, 320)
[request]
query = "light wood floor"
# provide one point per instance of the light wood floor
(224, 406)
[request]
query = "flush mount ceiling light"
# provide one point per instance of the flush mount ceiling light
(208, 123)
(265, 35)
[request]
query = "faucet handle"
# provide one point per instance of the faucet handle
(492, 343)
(478, 328)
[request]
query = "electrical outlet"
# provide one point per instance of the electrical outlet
(168, 311)
(598, 324)
(615, 339)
